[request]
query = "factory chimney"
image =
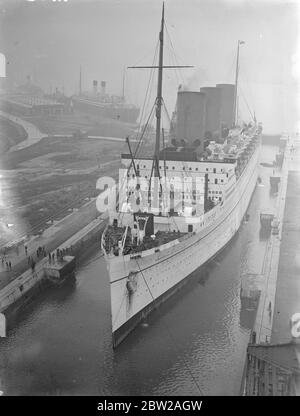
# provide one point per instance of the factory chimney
(103, 85)
(95, 87)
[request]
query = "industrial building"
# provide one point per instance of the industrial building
(273, 370)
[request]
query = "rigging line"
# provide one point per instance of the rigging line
(244, 75)
(174, 64)
(148, 130)
(249, 90)
(129, 167)
(166, 110)
(177, 60)
(247, 104)
(145, 56)
(134, 156)
(231, 69)
(151, 80)
(147, 90)
(169, 332)
(144, 129)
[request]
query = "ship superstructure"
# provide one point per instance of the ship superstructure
(176, 209)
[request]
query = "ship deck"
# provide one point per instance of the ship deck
(113, 236)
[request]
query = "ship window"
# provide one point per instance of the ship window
(144, 166)
(190, 169)
(206, 169)
(215, 170)
(137, 166)
(220, 198)
(196, 168)
(216, 180)
(183, 168)
(190, 228)
(173, 167)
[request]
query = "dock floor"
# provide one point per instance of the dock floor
(287, 299)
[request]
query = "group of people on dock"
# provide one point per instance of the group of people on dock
(7, 263)
(32, 259)
(59, 254)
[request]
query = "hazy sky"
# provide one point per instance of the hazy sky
(49, 40)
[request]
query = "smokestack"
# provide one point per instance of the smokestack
(227, 104)
(95, 87)
(103, 86)
(213, 108)
(190, 116)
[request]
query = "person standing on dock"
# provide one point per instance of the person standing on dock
(26, 250)
(9, 264)
(49, 257)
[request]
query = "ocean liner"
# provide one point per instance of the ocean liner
(100, 103)
(180, 207)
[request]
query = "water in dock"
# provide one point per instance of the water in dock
(61, 342)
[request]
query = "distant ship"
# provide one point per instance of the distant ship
(105, 105)
(197, 194)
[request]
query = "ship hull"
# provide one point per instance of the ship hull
(124, 114)
(159, 275)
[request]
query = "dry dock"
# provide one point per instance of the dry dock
(280, 296)
(15, 287)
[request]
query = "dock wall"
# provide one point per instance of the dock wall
(78, 244)
(263, 323)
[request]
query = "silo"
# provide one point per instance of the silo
(190, 116)
(227, 104)
(213, 108)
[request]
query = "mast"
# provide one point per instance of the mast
(123, 85)
(159, 99)
(159, 93)
(240, 42)
(80, 89)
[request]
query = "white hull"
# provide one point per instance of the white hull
(156, 275)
